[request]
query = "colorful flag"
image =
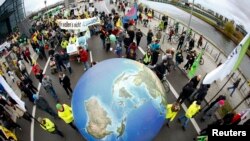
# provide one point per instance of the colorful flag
(231, 64)
(132, 14)
(119, 23)
(195, 65)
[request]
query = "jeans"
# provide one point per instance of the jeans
(86, 65)
(185, 120)
(232, 90)
(52, 92)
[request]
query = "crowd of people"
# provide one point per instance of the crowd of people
(50, 42)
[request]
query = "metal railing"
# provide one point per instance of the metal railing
(212, 50)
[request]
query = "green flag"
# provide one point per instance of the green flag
(196, 64)
(245, 45)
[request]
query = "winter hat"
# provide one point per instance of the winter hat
(222, 102)
(58, 106)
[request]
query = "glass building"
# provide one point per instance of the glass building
(12, 12)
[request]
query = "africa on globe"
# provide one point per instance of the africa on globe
(119, 99)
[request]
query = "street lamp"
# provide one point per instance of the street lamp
(189, 23)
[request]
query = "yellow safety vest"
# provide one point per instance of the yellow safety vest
(192, 110)
(72, 40)
(66, 115)
(147, 59)
(170, 114)
(64, 44)
(48, 125)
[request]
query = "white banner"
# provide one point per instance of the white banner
(227, 67)
(76, 24)
(12, 94)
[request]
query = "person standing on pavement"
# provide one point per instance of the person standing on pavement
(147, 58)
(221, 97)
(192, 110)
(191, 44)
(127, 42)
(27, 54)
(42, 104)
(212, 110)
(66, 61)
(65, 113)
(187, 91)
(59, 62)
(181, 41)
(155, 49)
(138, 36)
(48, 86)
(83, 54)
(22, 67)
(172, 110)
(49, 126)
(202, 92)
(199, 42)
(37, 71)
(235, 85)
(196, 79)
(178, 58)
(65, 82)
(158, 35)
(27, 82)
(149, 36)
(27, 92)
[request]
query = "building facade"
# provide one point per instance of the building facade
(12, 12)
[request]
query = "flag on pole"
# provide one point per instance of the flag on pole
(132, 14)
(231, 64)
(119, 23)
(12, 94)
(196, 64)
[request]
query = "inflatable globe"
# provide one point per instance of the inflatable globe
(119, 99)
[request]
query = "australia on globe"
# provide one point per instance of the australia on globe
(119, 99)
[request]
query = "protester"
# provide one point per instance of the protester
(192, 110)
(172, 110)
(65, 82)
(65, 113)
(235, 85)
(49, 126)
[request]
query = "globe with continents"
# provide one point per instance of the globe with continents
(119, 99)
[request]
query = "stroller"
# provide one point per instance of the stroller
(52, 64)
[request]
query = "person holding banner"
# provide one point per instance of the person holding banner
(83, 55)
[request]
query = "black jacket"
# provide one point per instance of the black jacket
(65, 81)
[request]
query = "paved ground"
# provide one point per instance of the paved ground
(177, 79)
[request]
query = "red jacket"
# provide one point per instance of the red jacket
(27, 52)
(36, 69)
(83, 55)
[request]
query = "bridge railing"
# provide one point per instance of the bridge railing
(212, 50)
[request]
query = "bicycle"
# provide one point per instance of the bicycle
(165, 83)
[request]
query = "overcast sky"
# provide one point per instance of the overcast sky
(238, 10)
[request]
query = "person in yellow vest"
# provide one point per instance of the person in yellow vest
(65, 113)
(49, 126)
(72, 39)
(150, 15)
(147, 58)
(64, 43)
(192, 110)
(248, 82)
(172, 110)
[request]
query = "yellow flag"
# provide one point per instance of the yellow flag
(119, 23)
